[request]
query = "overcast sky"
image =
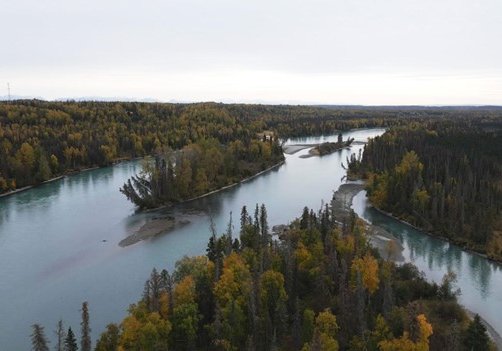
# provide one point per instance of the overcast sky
(337, 51)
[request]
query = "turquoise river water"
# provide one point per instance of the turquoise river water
(59, 242)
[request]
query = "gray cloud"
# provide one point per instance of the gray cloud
(173, 39)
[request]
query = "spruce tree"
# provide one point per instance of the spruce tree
(70, 343)
(244, 218)
(38, 340)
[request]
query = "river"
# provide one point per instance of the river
(479, 280)
(59, 241)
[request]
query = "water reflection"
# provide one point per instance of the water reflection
(42, 197)
(479, 279)
(33, 197)
(480, 272)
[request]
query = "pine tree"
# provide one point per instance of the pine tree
(85, 342)
(70, 343)
(38, 340)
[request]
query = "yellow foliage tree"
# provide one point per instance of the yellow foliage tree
(325, 332)
(367, 267)
(164, 305)
(404, 343)
(185, 293)
(144, 331)
(377, 185)
(346, 245)
(235, 281)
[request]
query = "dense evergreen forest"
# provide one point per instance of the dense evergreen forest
(40, 140)
(317, 286)
(443, 176)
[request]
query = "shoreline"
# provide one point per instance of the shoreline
(492, 332)
(294, 148)
(277, 165)
(69, 173)
(164, 224)
(314, 152)
(386, 244)
(442, 238)
(153, 227)
(28, 187)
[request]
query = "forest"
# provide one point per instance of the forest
(199, 168)
(444, 177)
(40, 140)
(319, 285)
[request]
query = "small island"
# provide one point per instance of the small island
(199, 169)
(329, 147)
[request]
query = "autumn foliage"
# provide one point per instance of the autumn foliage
(319, 286)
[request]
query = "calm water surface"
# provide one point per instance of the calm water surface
(52, 254)
(53, 257)
(479, 280)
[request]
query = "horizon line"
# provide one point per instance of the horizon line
(4, 99)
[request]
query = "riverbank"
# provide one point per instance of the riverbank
(68, 173)
(494, 335)
(440, 237)
(316, 152)
(314, 148)
(164, 223)
(293, 149)
(31, 186)
(277, 165)
(153, 227)
(382, 240)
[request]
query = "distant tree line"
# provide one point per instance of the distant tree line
(444, 177)
(40, 140)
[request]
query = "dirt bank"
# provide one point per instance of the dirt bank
(382, 240)
(153, 227)
(293, 149)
